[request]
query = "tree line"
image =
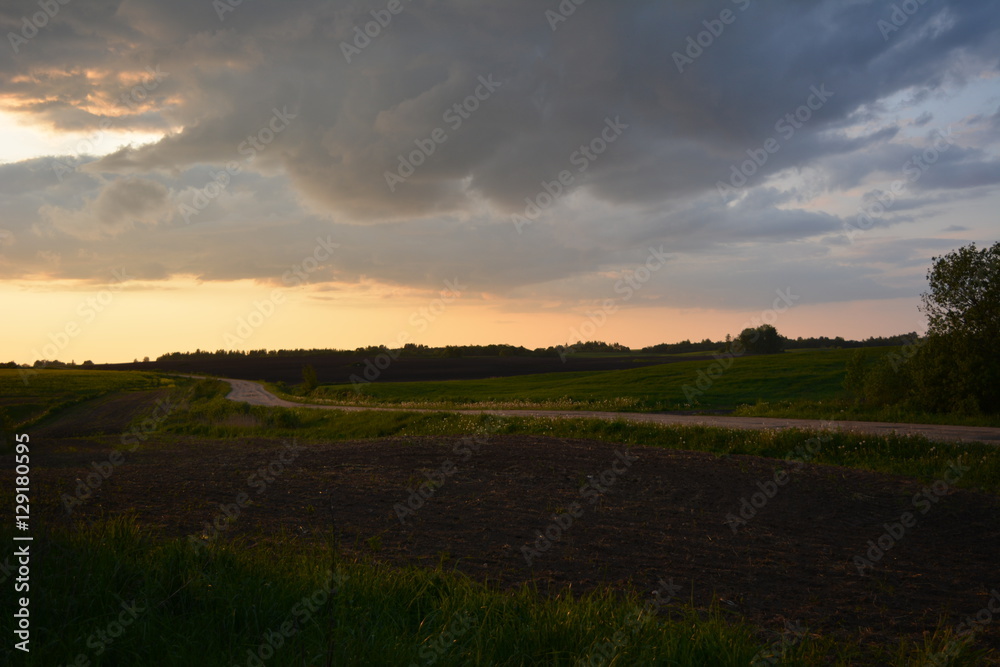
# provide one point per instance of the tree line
(767, 336)
(588, 347)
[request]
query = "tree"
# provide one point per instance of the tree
(764, 339)
(955, 370)
(309, 380)
(965, 293)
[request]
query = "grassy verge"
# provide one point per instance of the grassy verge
(27, 396)
(846, 410)
(131, 600)
(337, 395)
(914, 456)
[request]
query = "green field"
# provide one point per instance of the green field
(29, 395)
(807, 374)
(804, 384)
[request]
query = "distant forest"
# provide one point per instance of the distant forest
(414, 350)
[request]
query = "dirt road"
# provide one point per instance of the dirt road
(253, 393)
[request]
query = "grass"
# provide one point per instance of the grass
(805, 384)
(844, 409)
(910, 455)
(27, 395)
(130, 600)
(220, 604)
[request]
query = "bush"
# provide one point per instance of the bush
(887, 381)
(209, 388)
(854, 381)
(955, 374)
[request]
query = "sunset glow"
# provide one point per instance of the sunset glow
(215, 160)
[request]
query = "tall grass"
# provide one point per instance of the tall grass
(109, 594)
(172, 603)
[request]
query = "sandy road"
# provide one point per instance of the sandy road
(254, 394)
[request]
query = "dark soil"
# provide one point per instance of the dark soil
(662, 517)
(107, 415)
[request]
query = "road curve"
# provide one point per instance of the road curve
(245, 391)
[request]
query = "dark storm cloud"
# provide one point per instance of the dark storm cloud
(503, 104)
(556, 89)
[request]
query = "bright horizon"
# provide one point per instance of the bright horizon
(527, 180)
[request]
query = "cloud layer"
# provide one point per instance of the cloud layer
(525, 149)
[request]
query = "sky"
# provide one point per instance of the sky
(306, 174)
